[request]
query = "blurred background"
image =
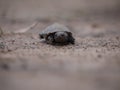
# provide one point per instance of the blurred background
(58, 9)
(80, 15)
(93, 63)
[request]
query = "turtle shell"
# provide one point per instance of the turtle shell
(54, 28)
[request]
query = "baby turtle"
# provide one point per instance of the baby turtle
(57, 34)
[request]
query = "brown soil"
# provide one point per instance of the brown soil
(93, 63)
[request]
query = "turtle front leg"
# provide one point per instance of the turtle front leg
(50, 39)
(41, 36)
(71, 40)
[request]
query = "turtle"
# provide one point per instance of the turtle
(57, 34)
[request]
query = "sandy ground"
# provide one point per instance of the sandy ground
(93, 63)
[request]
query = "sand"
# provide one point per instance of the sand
(93, 63)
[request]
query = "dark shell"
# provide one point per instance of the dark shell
(54, 28)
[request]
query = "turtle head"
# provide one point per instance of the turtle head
(61, 37)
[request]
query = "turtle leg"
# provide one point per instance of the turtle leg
(71, 40)
(50, 39)
(41, 36)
